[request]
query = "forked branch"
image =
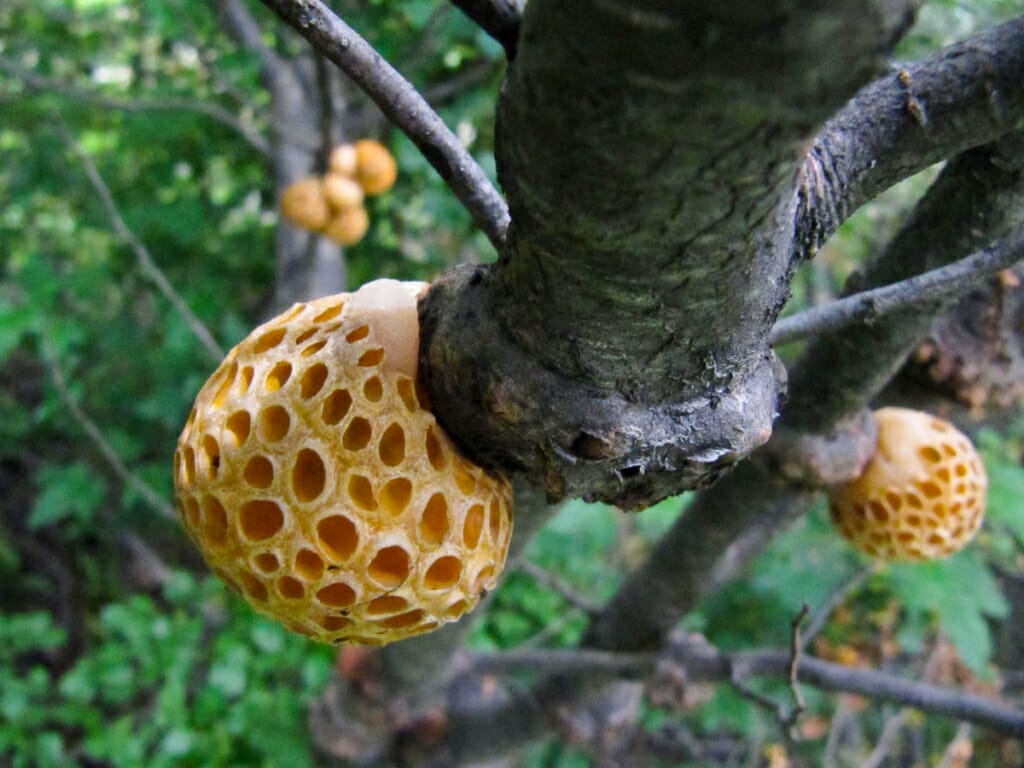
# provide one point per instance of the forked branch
(404, 106)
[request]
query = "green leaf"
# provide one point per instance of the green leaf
(69, 491)
(961, 592)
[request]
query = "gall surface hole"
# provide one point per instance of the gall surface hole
(269, 340)
(290, 588)
(360, 491)
(305, 336)
(357, 435)
(333, 623)
(309, 565)
(338, 537)
(358, 334)
(279, 376)
(259, 472)
(211, 454)
(337, 595)
(473, 525)
(336, 406)
(434, 524)
(392, 446)
(373, 390)
(403, 620)
(930, 454)
(253, 587)
(390, 567)
(407, 391)
(395, 495)
(225, 385)
(387, 604)
(215, 522)
(435, 452)
(329, 314)
(309, 475)
(443, 573)
(371, 357)
(190, 464)
(238, 425)
(260, 519)
(266, 562)
(313, 348)
(245, 379)
(313, 381)
(456, 609)
(275, 422)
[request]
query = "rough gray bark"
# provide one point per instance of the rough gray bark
(647, 151)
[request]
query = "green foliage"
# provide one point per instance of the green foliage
(192, 678)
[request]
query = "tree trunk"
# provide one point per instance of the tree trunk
(618, 350)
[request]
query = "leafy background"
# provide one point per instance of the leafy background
(116, 648)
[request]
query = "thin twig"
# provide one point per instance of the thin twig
(404, 106)
(557, 661)
(110, 455)
(795, 651)
(550, 580)
(871, 306)
(498, 18)
(146, 263)
(326, 105)
(890, 732)
(39, 83)
(958, 751)
(833, 601)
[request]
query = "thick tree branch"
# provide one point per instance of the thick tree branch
(617, 351)
(695, 661)
(968, 94)
(404, 106)
(498, 18)
(872, 306)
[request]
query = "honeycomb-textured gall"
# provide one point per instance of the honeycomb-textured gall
(376, 169)
(343, 193)
(319, 487)
(349, 226)
(304, 204)
(922, 495)
(343, 160)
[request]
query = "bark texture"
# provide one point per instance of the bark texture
(648, 152)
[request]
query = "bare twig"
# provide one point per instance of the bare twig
(498, 18)
(240, 24)
(404, 106)
(821, 616)
(871, 306)
(890, 733)
(323, 87)
(36, 82)
(110, 455)
(146, 263)
(795, 651)
(557, 661)
(550, 580)
(958, 751)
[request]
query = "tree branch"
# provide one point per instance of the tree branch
(404, 106)
(967, 94)
(36, 82)
(155, 501)
(242, 26)
(148, 266)
(872, 306)
(698, 662)
(498, 18)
